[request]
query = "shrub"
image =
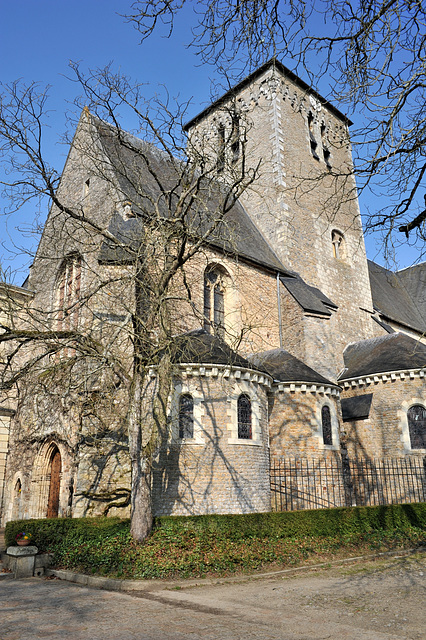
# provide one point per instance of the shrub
(217, 544)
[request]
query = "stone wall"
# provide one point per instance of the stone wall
(295, 427)
(384, 434)
(297, 201)
(215, 472)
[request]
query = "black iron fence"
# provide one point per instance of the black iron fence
(342, 481)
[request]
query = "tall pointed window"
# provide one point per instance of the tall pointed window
(417, 426)
(214, 302)
(186, 416)
(327, 434)
(244, 417)
(68, 293)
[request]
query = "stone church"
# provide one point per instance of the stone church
(288, 341)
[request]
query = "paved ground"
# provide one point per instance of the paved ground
(382, 600)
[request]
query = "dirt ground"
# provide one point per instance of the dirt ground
(379, 600)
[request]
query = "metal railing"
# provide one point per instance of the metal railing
(342, 481)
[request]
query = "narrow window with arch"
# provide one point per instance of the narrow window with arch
(186, 416)
(214, 302)
(68, 293)
(338, 244)
(312, 138)
(244, 417)
(417, 426)
(327, 434)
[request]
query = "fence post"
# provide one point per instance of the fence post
(348, 485)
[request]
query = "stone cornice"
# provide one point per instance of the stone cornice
(387, 376)
(192, 370)
(307, 387)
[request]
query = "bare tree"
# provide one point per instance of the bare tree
(372, 55)
(167, 205)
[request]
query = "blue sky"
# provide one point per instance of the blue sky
(38, 38)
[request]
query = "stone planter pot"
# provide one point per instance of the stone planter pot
(23, 543)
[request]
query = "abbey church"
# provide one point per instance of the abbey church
(287, 341)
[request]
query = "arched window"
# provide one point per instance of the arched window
(244, 417)
(312, 138)
(417, 426)
(338, 242)
(214, 302)
(68, 293)
(186, 416)
(327, 434)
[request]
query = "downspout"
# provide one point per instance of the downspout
(279, 310)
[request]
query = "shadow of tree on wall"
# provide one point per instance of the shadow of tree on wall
(212, 476)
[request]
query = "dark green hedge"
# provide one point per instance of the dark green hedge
(316, 523)
(50, 531)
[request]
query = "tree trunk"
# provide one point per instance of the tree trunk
(141, 505)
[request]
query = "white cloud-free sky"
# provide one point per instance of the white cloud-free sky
(38, 38)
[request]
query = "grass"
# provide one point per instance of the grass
(196, 546)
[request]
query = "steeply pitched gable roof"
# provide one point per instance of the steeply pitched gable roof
(413, 279)
(137, 165)
(393, 352)
(394, 299)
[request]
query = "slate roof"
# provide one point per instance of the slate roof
(356, 408)
(413, 280)
(310, 298)
(284, 367)
(200, 347)
(393, 352)
(135, 164)
(395, 295)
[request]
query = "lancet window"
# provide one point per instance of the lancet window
(417, 426)
(244, 417)
(68, 293)
(214, 302)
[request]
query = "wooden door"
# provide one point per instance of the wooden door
(55, 484)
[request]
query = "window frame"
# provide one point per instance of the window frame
(215, 287)
(335, 424)
(186, 415)
(338, 244)
(410, 431)
(329, 435)
(182, 388)
(68, 292)
(244, 426)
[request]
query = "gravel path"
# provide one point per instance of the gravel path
(382, 600)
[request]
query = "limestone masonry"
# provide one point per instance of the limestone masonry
(286, 341)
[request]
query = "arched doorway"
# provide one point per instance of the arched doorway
(54, 484)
